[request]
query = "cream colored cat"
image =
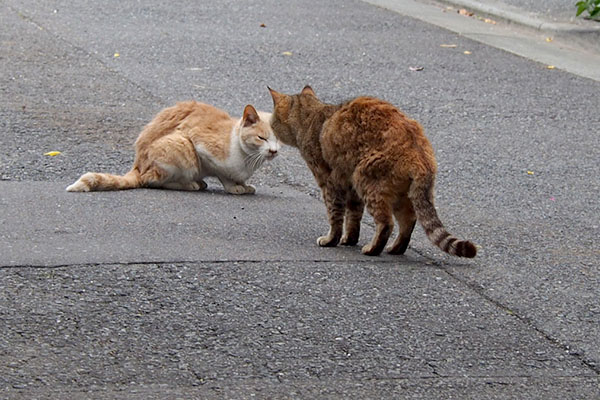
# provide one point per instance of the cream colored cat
(185, 143)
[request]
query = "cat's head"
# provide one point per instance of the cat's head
(290, 112)
(256, 136)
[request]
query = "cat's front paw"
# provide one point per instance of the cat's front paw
(250, 189)
(236, 189)
(327, 241)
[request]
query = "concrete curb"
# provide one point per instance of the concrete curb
(587, 36)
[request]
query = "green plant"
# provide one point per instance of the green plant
(591, 6)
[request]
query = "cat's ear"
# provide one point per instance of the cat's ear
(250, 116)
(308, 90)
(277, 97)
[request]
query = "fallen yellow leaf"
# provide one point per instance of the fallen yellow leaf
(467, 52)
(530, 172)
(52, 153)
(489, 21)
(116, 55)
(549, 39)
(448, 46)
(287, 53)
(462, 11)
(550, 67)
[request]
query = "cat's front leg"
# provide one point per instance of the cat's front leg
(334, 198)
(354, 213)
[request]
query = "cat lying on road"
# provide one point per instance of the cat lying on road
(187, 142)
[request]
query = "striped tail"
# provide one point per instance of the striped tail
(421, 195)
(93, 181)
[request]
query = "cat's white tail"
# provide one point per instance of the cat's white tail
(93, 181)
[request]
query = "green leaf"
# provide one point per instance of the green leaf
(581, 8)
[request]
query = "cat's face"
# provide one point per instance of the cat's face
(256, 136)
(288, 112)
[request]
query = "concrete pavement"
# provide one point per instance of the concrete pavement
(159, 294)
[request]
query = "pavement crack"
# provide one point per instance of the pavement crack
(480, 291)
(195, 262)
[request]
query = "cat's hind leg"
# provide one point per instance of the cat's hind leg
(379, 206)
(406, 217)
(354, 212)
(165, 176)
(191, 186)
(174, 164)
(201, 184)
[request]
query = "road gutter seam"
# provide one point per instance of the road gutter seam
(578, 354)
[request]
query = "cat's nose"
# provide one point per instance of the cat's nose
(272, 152)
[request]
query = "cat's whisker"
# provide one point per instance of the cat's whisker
(248, 159)
(254, 160)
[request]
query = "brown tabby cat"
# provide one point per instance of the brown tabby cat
(365, 151)
(190, 141)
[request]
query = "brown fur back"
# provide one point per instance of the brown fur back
(366, 152)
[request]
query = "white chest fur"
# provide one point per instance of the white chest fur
(234, 167)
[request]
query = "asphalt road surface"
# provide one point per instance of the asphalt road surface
(163, 294)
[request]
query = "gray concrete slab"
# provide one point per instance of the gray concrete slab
(148, 225)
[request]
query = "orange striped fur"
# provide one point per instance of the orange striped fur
(366, 152)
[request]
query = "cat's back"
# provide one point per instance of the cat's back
(369, 122)
(371, 128)
(183, 116)
(201, 113)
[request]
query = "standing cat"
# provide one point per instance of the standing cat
(190, 141)
(365, 151)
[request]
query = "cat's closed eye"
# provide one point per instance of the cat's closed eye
(262, 138)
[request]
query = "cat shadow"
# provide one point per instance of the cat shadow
(224, 194)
